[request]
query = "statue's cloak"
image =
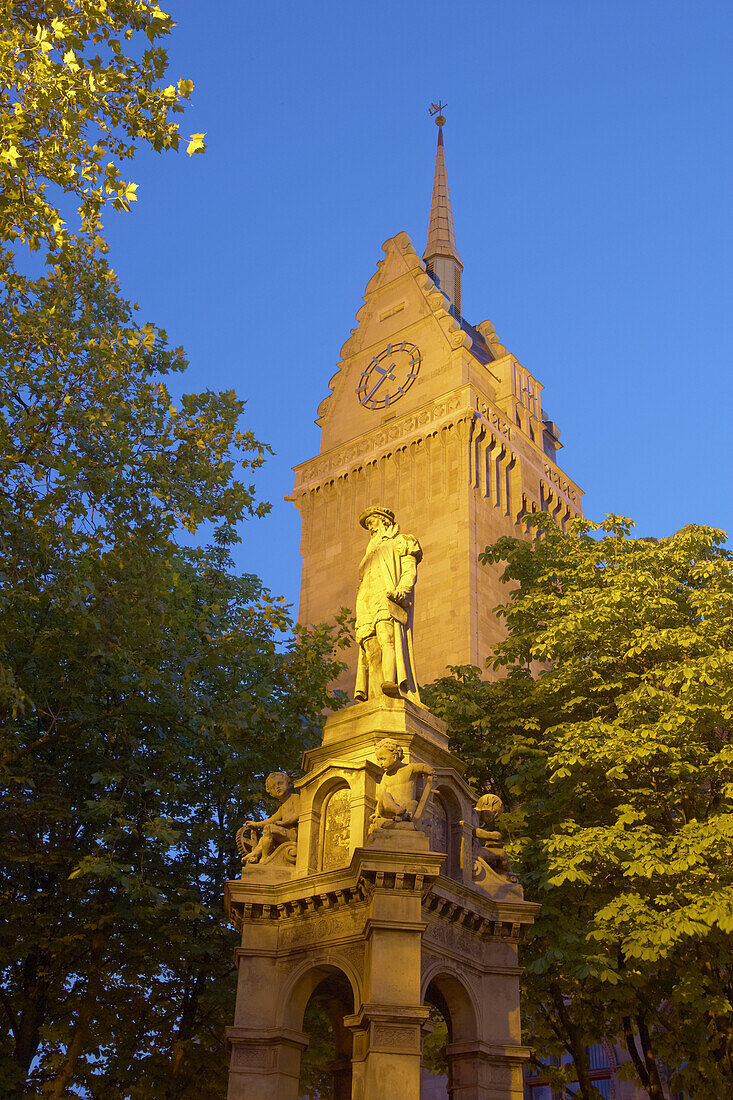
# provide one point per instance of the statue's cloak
(380, 572)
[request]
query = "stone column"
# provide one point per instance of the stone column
(386, 1058)
(387, 1026)
(479, 1071)
(265, 1063)
(341, 1071)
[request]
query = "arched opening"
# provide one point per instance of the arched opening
(445, 830)
(439, 827)
(325, 1066)
(453, 1019)
(434, 1068)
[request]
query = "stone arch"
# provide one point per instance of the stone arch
(450, 992)
(305, 980)
(439, 826)
(329, 987)
(325, 789)
(321, 795)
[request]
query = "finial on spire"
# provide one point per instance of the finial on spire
(437, 109)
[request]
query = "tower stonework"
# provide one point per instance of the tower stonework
(436, 417)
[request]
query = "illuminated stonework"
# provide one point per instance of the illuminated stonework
(462, 457)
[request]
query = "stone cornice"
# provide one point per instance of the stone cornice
(370, 869)
(559, 480)
(383, 439)
(478, 913)
(464, 404)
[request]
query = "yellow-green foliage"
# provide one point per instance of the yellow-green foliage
(144, 686)
(610, 739)
(81, 86)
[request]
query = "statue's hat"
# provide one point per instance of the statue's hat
(376, 511)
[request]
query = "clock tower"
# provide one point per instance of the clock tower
(431, 417)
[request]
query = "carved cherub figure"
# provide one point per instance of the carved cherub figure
(488, 808)
(278, 829)
(397, 804)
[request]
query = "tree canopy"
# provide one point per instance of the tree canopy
(143, 695)
(145, 687)
(81, 90)
(609, 738)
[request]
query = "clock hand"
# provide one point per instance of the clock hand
(385, 373)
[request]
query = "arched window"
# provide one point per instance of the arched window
(336, 830)
(439, 827)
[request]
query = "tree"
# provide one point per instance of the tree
(143, 697)
(145, 688)
(81, 89)
(610, 739)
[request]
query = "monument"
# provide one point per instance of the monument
(379, 883)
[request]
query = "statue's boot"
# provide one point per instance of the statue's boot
(389, 687)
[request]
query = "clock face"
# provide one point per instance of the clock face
(389, 375)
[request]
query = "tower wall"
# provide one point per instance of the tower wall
(424, 480)
(458, 476)
(460, 451)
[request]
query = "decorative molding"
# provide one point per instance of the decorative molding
(458, 338)
(561, 482)
(494, 418)
(394, 880)
(369, 448)
(250, 1057)
(396, 1038)
(391, 311)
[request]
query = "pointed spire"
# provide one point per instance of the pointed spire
(441, 255)
(441, 234)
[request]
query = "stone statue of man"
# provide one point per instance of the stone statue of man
(384, 609)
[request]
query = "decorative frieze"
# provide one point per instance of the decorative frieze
(366, 449)
(322, 928)
(557, 478)
(494, 419)
(395, 1038)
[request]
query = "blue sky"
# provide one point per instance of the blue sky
(591, 173)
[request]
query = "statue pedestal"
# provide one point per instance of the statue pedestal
(378, 927)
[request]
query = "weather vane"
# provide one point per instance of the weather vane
(437, 109)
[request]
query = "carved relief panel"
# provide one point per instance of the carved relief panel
(336, 830)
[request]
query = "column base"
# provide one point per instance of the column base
(265, 1063)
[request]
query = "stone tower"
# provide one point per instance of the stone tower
(433, 415)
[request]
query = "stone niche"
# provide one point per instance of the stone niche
(379, 923)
